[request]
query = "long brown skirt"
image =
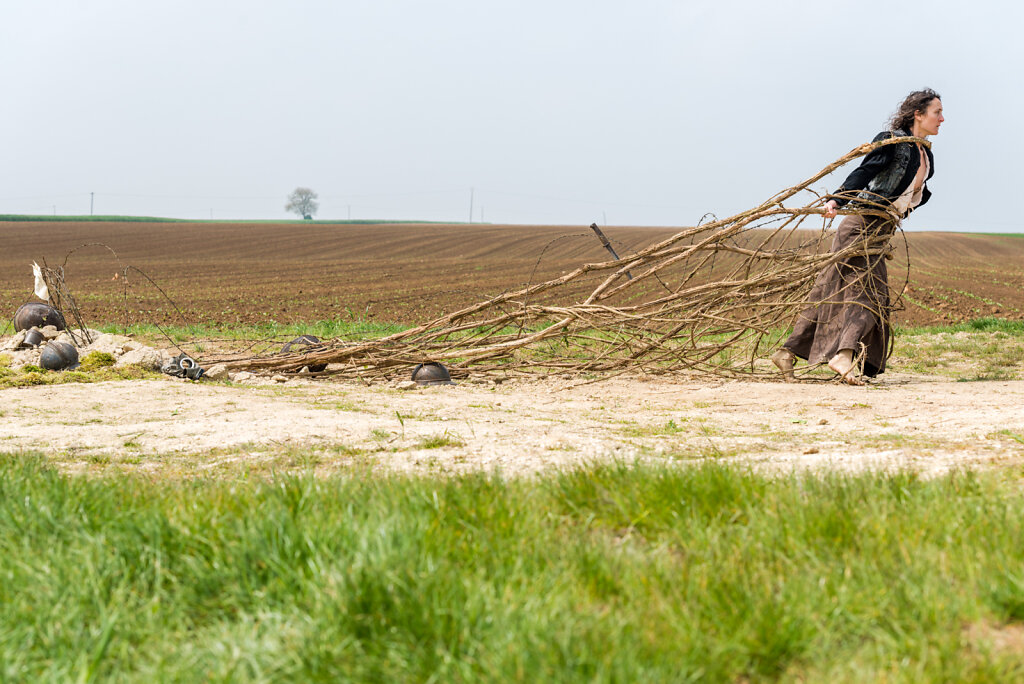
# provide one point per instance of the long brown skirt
(850, 303)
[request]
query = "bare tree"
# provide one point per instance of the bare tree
(303, 202)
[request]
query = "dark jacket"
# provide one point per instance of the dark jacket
(885, 173)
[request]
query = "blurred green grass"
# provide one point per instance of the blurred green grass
(602, 573)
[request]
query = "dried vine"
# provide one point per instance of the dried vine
(713, 298)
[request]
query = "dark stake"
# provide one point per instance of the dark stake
(608, 246)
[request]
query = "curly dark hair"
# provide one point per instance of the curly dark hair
(916, 101)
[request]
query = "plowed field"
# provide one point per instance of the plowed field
(253, 272)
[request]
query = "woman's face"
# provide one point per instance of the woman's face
(928, 121)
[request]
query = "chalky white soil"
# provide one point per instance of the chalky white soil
(171, 426)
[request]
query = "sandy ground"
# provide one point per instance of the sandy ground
(171, 426)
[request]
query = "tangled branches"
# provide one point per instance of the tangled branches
(715, 298)
(60, 297)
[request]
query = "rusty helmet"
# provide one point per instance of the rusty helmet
(39, 315)
(58, 356)
(431, 373)
(301, 343)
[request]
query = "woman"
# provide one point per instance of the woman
(849, 320)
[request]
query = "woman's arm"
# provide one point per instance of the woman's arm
(869, 167)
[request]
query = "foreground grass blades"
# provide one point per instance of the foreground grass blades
(606, 573)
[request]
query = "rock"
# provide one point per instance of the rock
(408, 385)
(111, 344)
(50, 332)
(279, 378)
(217, 372)
(92, 333)
(24, 357)
(14, 342)
(242, 376)
(146, 357)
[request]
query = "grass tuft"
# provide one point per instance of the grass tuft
(439, 441)
(95, 360)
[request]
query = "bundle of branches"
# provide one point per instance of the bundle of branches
(714, 298)
(59, 297)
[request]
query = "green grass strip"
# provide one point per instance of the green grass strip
(605, 573)
(986, 324)
(324, 329)
(363, 328)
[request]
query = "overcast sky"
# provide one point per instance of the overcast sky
(647, 112)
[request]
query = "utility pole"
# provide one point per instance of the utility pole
(90, 202)
(471, 205)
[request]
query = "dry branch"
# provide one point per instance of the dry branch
(714, 298)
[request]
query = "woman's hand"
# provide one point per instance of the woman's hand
(830, 209)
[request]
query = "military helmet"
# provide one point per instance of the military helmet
(431, 373)
(39, 315)
(302, 343)
(33, 338)
(58, 356)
